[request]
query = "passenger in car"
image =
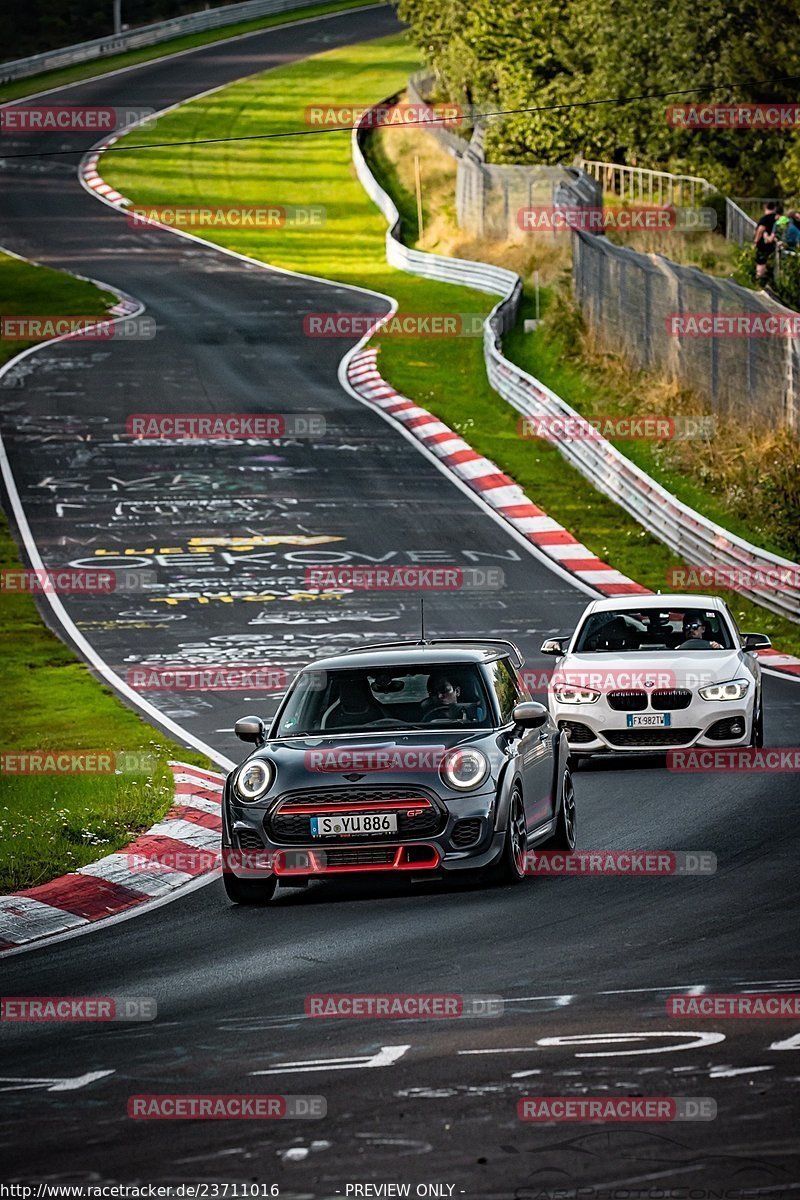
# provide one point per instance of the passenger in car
(356, 705)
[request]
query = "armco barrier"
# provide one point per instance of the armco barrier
(146, 35)
(693, 537)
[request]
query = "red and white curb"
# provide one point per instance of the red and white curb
(484, 477)
(92, 178)
(117, 883)
(506, 497)
(785, 664)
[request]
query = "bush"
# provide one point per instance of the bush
(717, 201)
(788, 287)
(745, 272)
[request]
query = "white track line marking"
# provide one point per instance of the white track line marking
(385, 1057)
(52, 1085)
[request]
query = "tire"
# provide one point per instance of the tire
(757, 733)
(511, 866)
(249, 891)
(566, 822)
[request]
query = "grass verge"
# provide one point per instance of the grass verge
(50, 824)
(130, 58)
(446, 375)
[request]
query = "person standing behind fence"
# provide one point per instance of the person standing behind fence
(791, 237)
(764, 238)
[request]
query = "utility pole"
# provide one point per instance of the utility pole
(117, 17)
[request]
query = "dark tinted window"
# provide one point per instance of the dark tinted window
(651, 628)
(412, 697)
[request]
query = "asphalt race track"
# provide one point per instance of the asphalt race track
(418, 1102)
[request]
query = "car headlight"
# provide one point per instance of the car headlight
(254, 780)
(735, 689)
(464, 769)
(576, 695)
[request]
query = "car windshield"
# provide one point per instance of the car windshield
(653, 629)
(412, 697)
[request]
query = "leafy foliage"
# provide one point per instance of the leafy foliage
(583, 51)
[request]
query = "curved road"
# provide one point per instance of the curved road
(424, 1102)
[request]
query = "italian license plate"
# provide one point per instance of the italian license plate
(369, 823)
(648, 720)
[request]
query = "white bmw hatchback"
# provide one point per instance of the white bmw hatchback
(651, 673)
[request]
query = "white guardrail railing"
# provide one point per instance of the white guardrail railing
(771, 581)
(645, 185)
(145, 35)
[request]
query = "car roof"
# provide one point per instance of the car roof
(669, 600)
(416, 654)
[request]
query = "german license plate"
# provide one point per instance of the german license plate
(648, 720)
(369, 823)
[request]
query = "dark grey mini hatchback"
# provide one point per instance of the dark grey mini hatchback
(410, 759)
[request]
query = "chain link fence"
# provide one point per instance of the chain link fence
(631, 300)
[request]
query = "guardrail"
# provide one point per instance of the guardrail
(739, 227)
(146, 35)
(482, 276)
(686, 532)
(644, 185)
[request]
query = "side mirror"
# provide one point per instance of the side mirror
(554, 645)
(250, 729)
(756, 641)
(530, 715)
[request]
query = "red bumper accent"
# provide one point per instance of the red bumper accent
(306, 861)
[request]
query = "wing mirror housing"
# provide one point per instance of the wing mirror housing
(530, 715)
(555, 645)
(756, 641)
(251, 729)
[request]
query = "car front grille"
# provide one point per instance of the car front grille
(649, 738)
(627, 701)
(363, 856)
(320, 797)
(671, 698)
(419, 815)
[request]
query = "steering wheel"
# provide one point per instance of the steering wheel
(439, 713)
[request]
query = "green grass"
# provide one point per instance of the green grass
(27, 290)
(114, 62)
(53, 824)
(446, 375)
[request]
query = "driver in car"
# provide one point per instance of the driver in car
(443, 698)
(698, 635)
